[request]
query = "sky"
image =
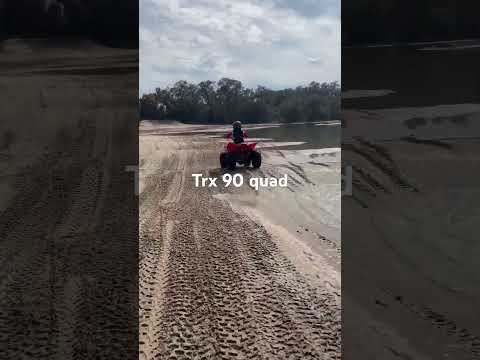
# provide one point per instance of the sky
(273, 43)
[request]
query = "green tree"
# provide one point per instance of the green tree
(227, 101)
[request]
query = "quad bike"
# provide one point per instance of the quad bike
(244, 154)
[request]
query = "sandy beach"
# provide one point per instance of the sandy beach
(68, 240)
(424, 280)
(237, 272)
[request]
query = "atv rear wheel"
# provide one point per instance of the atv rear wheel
(232, 163)
(256, 158)
(223, 160)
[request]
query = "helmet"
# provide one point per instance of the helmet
(237, 125)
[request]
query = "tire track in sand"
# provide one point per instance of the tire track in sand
(213, 283)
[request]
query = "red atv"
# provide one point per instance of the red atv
(242, 153)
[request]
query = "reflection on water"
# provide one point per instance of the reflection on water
(313, 136)
(412, 75)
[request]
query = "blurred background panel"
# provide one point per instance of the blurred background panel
(68, 205)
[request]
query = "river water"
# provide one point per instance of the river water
(309, 135)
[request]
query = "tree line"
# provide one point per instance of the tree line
(228, 100)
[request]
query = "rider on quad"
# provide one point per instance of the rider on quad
(238, 151)
(237, 134)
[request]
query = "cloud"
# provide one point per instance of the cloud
(276, 43)
(314, 60)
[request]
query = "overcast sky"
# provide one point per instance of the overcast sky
(274, 43)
